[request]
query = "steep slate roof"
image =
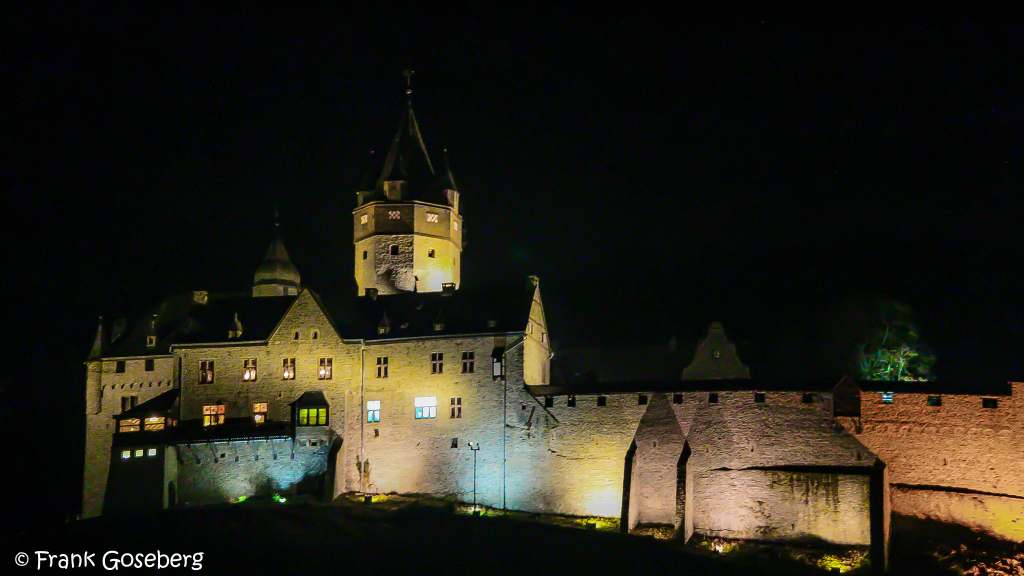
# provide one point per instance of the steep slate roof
(258, 317)
(277, 267)
(156, 405)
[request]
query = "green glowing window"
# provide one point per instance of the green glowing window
(426, 407)
(935, 400)
(312, 416)
(138, 452)
(887, 398)
(373, 411)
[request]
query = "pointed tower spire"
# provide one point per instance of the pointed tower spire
(407, 165)
(276, 276)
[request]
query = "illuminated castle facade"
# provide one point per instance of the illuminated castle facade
(213, 398)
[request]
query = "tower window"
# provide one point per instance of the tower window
(430, 253)
(713, 398)
(206, 372)
(364, 219)
(759, 397)
(455, 442)
(326, 370)
(641, 400)
(365, 254)
(149, 364)
(990, 403)
(288, 369)
(677, 398)
(456, 406)
(259, 413)
(432, 217)
(602, 400)
(213, 414)
(426, 407)
(382, 366)
(249, 370)
(887, 398)
(373, 411)
(571, 401)
(468, 362)
(393, 249)
(119, 367)
(437, 362)
(935, 400)
(128, 402)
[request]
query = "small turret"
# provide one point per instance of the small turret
(276, 276)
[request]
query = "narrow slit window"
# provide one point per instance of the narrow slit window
(393, 249)
(602, 400)
(713, 398)
(677, 398)
(759, 397)
(571, 401)
(549, 402)
(149, 364)
(641, 400)
(119, 366)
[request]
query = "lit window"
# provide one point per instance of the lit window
(496, 368)
(154, 423)
(150, 341)
(259, 413)
(641, 400)
(312, 416)
(456, 411)
(206, 372)
(126, 454)
(394, 215)
(713, 398)
(759, 397)
(393, 249)
(364, 219)
(436, 362)
(990, 403)
(426, 407)
(129, 425)
(602, 400)
(151, 452)
(119, 366)
(887, 397)
(213, 415)
(468, 362)
(288, 369)
(382, 366)
(139, 452)
(935, 400)
(432, 217)
(430, 253)
(326, 370)
(571, 401)
(249, 369)
(149, 364)
(373, 411)
(677, 398)
(128, 402)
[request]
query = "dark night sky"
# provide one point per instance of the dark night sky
(657, 172)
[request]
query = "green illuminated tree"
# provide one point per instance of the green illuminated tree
(894, 350)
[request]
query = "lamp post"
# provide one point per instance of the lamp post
(475, 447)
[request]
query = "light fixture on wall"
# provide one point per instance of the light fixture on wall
(475, 447)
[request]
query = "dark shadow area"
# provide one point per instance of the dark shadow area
(931, 547)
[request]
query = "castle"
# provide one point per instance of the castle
(417, 384)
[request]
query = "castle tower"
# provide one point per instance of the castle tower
(407, 227)
(276, 275)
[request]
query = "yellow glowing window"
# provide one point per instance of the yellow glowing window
(326, 369)
(365, 218)
(426, 407)
(206, 372)
(129, 425)
(288, 369)
(213, 415)
(126, 454)
(259, 412)
(312, 416)
(249, 369)
(432, 217)
(154, 423)
(138, 452)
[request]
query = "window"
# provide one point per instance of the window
(571, 401)
(363, 219)
(496, 369)
(151, 452)
(456, 411)
(432, 217)
(394, 214)
(139, 452)
(602, 400)
(313, 416)
(468, 362)
(549, 402)
(154, 423)
(641, 400)
(206, 372)
(455, 442)
(393, 249)
(128, 402)
(887, 398)
(990, 403)
(677, 398)
(326, 369)
(430, 253)
(382, 366)
(259, 413)
(373, 411)
(364, 254)
(249, 369)
(295, 336)
(935, 400)
(150, 341)
(713, 398)
(126, 454)
(119, 367)
(436, 362)
(129, 425)
(149, 364)
(807, 398)
(759, 397)
(426, 407)
(288, 369)
(213, 415)
(315, 335)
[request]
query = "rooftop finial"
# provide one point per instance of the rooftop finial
(277, 218)
(408, 72)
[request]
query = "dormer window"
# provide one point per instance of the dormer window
(150, 341)
(249, 370)
(206, 372)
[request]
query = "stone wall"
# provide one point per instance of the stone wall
(1001, 516)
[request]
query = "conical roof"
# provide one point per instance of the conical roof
(277, 267)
